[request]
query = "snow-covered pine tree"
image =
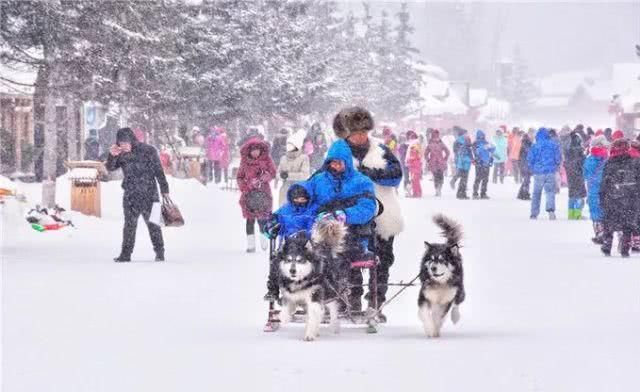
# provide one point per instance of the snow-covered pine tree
(407, 77)
(518, 86)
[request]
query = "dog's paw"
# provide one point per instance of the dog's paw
(309, 338)
(455, 314)
(336, 328)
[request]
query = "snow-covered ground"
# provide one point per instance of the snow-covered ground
(544, 310)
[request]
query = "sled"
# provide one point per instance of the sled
(369, 317)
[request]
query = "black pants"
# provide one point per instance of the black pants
(218, 171)
(481, 180)
(498, 171)
(251, 224)
(438, 179)
(524, 187)
(384, 250)
(131, 215)
(515, 168)
(463, 175)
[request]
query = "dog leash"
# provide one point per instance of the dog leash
(404, 287)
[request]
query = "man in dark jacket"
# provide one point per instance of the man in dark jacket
(141, 166)
(525, 173)
(483, 153)
(619, 196)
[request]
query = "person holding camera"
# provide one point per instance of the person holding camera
(142, 170)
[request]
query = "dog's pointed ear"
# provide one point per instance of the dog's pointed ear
(455, 250)
(308, 246)
(427, 245)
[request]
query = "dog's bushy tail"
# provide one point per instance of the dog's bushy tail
(451, 229)
(329, 235)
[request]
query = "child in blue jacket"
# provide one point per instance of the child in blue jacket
(297, 215)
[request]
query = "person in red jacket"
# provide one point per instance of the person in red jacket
(437, 154)
(255, 173)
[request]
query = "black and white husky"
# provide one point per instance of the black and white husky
(303, 275)
(442, 278)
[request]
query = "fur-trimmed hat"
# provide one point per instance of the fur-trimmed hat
(350, 120)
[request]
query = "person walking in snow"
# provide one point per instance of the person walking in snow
(500, 155)
(483, 154)
(255, 172)
(525, 172)
(414, 164)
(378, 163)
(279, 147)
(620, 197)
(143, 173)
(437, 154)
(217, 151)
(390, 139)
(293, 167)
(403, 149)
(462, 149)
(573, 165)
(592, 172)
(514, 147)
(544, 159)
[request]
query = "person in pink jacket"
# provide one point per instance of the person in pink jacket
(217, 147)
(437, 155)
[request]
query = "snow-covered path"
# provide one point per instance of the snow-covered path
(544, 311)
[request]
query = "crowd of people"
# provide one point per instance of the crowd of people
(356, 180)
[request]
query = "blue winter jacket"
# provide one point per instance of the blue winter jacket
(544, 156)
(482, 150)
(592, 171)
(351, 191)
(292, 218)
(500, 154)
(463, 154)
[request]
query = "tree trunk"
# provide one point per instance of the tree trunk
(50, 156)
(72, 131)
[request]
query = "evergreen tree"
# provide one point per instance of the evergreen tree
(517, 85)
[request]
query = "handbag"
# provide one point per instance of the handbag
(171, 215)
(257, 202)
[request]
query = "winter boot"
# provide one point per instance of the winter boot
(462, 196)
(635, 243)
(439, 191)
(264, 242)
(122, 259)
(552, 215)
(159, 256)
(597, 230)
(475, 196)
(251, 243)
(484, 196)
(625, 245)
(606, 246)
